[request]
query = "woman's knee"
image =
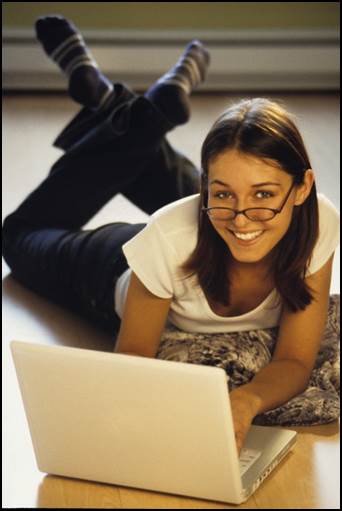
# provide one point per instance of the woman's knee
(10, 230)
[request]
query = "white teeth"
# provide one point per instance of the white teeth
(249, 236)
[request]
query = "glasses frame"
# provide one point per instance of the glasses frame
(243, 211)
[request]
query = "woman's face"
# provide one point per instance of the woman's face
(241, 181)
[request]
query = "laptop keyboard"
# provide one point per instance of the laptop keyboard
(247, 458)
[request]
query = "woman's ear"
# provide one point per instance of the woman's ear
(303, 190)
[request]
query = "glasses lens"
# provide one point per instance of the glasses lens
(221, 214)
(259, 214)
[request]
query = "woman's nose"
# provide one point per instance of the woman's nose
(240, 220)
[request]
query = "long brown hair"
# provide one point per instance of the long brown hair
(261, 128)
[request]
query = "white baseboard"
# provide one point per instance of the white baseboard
(240, 60)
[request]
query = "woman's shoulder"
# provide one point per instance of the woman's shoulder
(187, 205)
(329, 219)
(178, 216)
(172, 228)
(176, 224)
(327, 210)
(329, 233)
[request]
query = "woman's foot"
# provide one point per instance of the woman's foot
(171, 92)
(64, 44)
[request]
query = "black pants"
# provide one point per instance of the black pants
(122, 150)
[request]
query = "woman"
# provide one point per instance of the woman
(253, 249)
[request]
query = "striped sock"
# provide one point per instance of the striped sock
(64, 44)
(170, 93)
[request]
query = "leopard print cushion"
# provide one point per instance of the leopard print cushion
(243, 354)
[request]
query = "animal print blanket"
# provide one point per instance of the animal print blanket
(243, 354)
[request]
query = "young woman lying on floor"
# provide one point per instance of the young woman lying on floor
(243, 245)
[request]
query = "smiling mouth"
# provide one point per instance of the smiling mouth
(250, 236)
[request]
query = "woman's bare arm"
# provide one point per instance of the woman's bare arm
(143, 321)
(288, 373)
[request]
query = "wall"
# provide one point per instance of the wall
(179, 15)
(253, 45)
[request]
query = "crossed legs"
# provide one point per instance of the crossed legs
(118, 147)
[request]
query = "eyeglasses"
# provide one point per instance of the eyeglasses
(255, 214)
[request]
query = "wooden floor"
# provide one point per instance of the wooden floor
(308, 478)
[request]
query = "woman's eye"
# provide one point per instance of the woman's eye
(222, 195)
(264, 195)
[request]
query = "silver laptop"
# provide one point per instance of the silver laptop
(140, 422)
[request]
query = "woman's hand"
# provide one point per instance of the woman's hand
(243, 410)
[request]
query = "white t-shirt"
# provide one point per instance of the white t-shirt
(156, 253)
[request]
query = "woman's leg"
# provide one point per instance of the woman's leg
(42, 240)
(170, 176)
(168, 173)
(106, 153)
